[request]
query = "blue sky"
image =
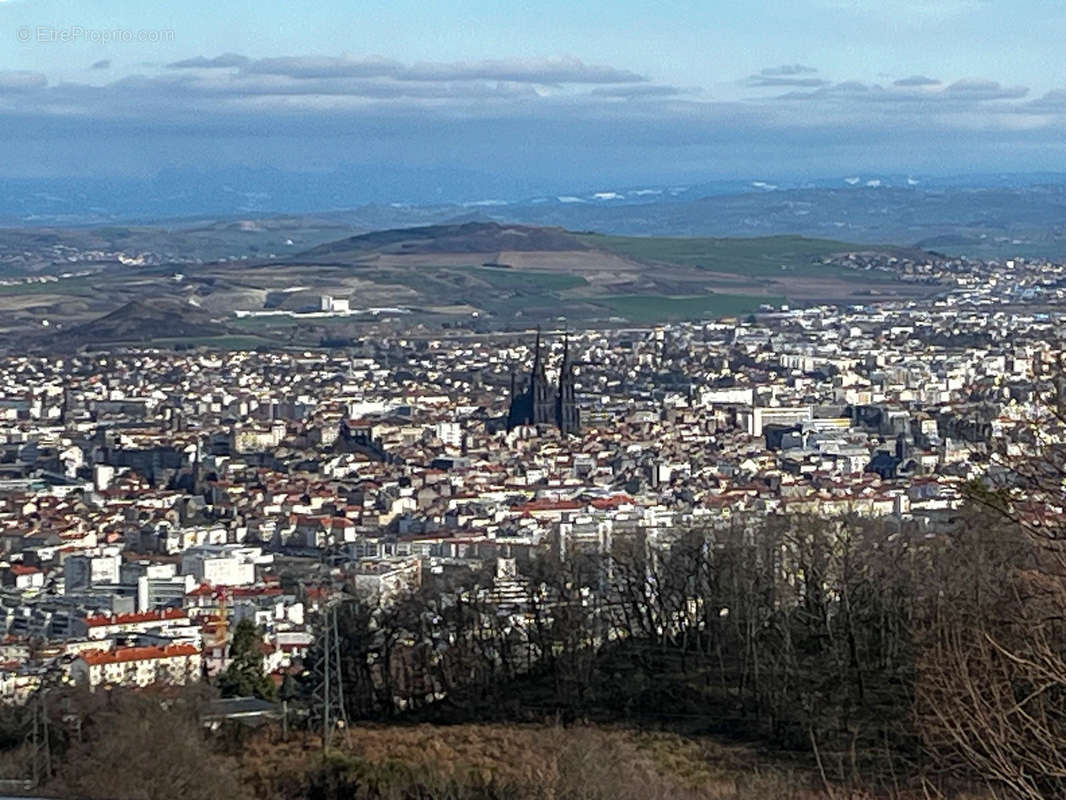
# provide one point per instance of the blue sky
(620, 91)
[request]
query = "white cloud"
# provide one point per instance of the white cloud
(981, 89)
(547, 71)
(312, 92)
(916, 80)
(218, 62)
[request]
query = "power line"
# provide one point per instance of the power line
(39, 739)
(328, 704)
(328, 697)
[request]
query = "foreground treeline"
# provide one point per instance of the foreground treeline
(889, 655)
(852, 658)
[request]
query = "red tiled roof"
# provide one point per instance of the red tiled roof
(549, 505)
(132, 619)
(254, 591)
(125, 654)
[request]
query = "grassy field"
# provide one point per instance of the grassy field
(454, 280)
(674, 281)
(83, 286)
(657, 308)
(527, 280)
(524, 762)
(764, 256)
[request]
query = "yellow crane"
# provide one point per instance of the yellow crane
(222, 629)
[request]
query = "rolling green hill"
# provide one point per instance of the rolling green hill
(481, 274)
(763, 256)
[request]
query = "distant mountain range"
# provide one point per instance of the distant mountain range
(470, 275)
(993, 215)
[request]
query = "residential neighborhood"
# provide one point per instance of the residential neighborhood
(152, 499)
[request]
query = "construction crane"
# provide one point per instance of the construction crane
(222, 629)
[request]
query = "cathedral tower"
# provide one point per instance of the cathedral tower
(541, 403)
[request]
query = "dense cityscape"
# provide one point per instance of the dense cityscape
(149, 500)
(501, 401)
(652, 523)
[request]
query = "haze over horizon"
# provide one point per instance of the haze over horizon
(552, 96)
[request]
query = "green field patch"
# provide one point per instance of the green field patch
(535, 305)
(659, 308)
(526, 280)
(74, 287)
(763, 256)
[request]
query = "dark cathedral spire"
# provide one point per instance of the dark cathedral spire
(541, 403)
(541, 390)
(566, 413)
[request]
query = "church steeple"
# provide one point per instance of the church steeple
(540, 390)
(566, 413)
(538, 365)
(541, 403)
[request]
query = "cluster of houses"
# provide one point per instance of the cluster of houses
(150, 500)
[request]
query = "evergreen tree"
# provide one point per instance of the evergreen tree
(244, 677)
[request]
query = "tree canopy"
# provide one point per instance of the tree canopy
(244, 677)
